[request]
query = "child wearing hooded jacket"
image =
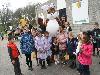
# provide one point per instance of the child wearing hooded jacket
(85, 54)
(41, 52)
(47, 47)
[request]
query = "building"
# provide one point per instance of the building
(94, 14)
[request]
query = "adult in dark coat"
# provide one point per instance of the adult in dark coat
(96, 38)
(42, 25)
(68, 27)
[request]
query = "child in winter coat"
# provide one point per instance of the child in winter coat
(27, 46)
(47, 47)
(55, 50)
(71, 48)
(14, 53)
(85, 55)
(41, 52)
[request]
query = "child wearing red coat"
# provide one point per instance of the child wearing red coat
(14, 53)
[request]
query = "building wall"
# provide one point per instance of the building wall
(94, 15)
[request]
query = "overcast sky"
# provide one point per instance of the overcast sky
(15, 4)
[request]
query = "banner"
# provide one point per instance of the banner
(61, 4)
(80, 11)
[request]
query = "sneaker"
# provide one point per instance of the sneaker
(55, 63)
(64, 63)
(37, 64)
(49, 64)
(58, 62)
(21, 74)
(30, 69)
(94, 55)
(43, 67)
(98, 53)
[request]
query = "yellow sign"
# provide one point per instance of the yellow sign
(23, 22)
(78, 4)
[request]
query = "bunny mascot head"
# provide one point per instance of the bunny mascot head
(52, 24)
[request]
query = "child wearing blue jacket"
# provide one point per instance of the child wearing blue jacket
(71, 49)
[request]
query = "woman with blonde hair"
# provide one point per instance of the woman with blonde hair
(61, 39)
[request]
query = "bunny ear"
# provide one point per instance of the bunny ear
(45, 7)
(52, 5)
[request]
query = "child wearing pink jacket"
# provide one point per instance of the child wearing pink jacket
(85, 55)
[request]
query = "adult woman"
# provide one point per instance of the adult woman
(68, 27)
(96, 38)
(61, 39)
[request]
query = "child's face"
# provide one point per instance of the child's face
(70, 35)
(34, 34)
(46, 34)
(55, 40)
(60, 28)
(83, 37)
(26, 30)
(63, 31)
(12, 40)
(39, 34)
(79, 37)
(33, 31)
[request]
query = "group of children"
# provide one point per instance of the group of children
(63, 48)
